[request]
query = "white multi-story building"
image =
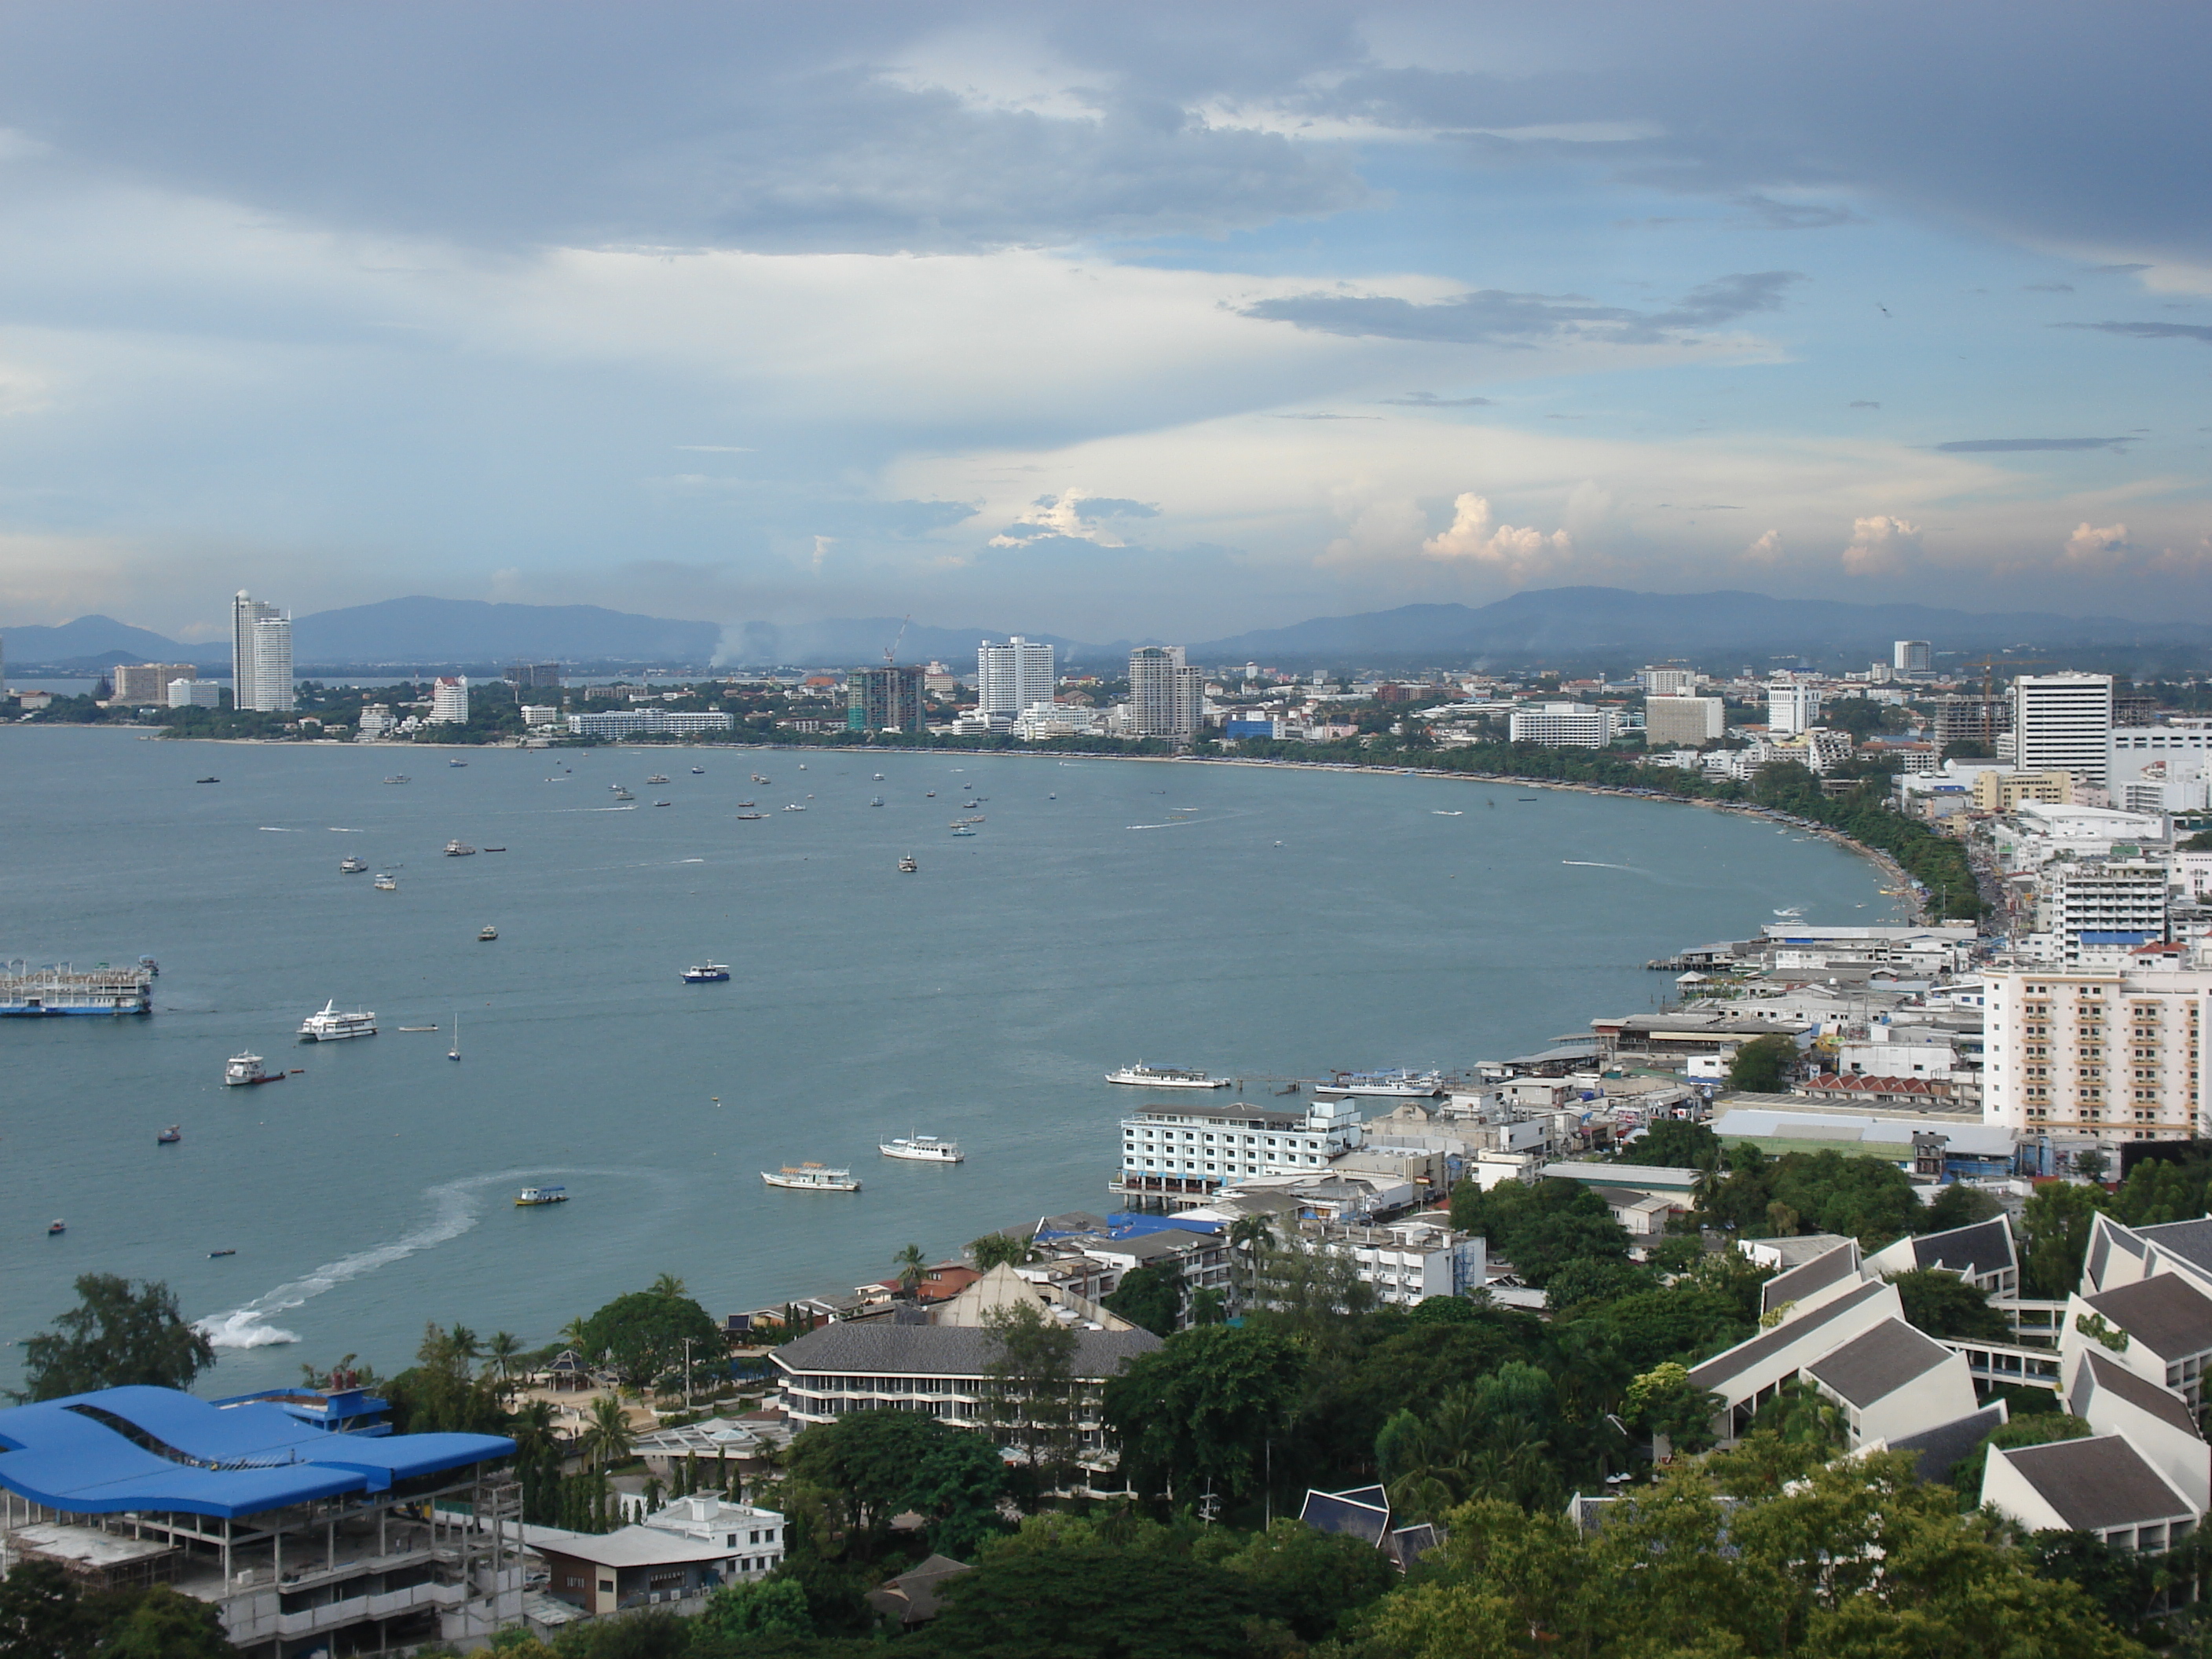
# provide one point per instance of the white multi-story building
(645, 723)
(1406, 1261)
(146, 684)
(1668, 682)
(1197, 1148)
(2093, 907)
(1911, 657)
(2064, 723)
(1561, 725)
(1167, 697)
(195, 694)
(260, 656)
(1012, 677)
(375, 720)
(1673, 719)
(449, 700)
(1041, 720)
(1792, 706)
(2102, 1052)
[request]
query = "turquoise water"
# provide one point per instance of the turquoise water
(1294, 923)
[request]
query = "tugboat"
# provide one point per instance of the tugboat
(706, 973)
(907, 864)
(241, 1070)
(170, 1136)
(351, 866)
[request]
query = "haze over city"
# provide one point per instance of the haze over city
(1115, 322)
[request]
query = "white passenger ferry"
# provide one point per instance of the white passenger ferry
(1165, 1077)
(329, 1026)
(812, 1178)
(921, 1149)
(241, 1070)
(1393, 1086)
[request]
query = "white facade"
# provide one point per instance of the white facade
(1408, 1262)
(1562, 725)
(1201, 1147)
(1791, 708)
(1166, 696)
(375, 720)
(195, 694)
(2110, 1054)
(2086, 905)
(1911, 657)
(1012, 677)
(260, 656)
(539, 714)
(755, 1535)
(1669, 682)
(2064, 723)
(449, 700)
(642, 722)
(1681, 718)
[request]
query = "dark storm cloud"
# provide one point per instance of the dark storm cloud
(2147, 331)
(2010, 446)
(1495, 317)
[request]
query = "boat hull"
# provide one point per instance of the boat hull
(1141, 1080)
(790, 1185)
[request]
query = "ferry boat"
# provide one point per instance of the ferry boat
(459, 849)
(656, 778)
(385, 884)
(921, 1149)
(351, 866)
(28, 993)
(330, 1026)
(1397, 1085)
(241, 1070)
(812, 1178)
(1165, 1077)
(907, 864)
(170, 1136)
(487, 933)
(706, 973)
(531, 1197)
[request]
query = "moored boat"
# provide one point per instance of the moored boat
(1165, 1077)
(1395, 1085)
(657, 778)
(241, 1070)
(56, 1226)
(486, 934)
(812, 1178)
(385, 884)
(921, 1149)
(329, 1025)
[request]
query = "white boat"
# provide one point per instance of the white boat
(385, 884)
(332, 1026)
(656, 778)
(706, 973)
(459, 849)
(812, 1178)
(921, 1149)
(907, 865)
(1165, 1077)
(350, 867)
(241, 1070)
(531, 1197)
(794, 807)
(1396, 1085)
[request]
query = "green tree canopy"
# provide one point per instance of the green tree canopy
(1764, 1065)
(1201, 1407)
(1943, 1304)
(1672, 1143)
(640, 1336)
(118, 1333)
(1094, 1604)
(1151, 1297)
(999, 1250)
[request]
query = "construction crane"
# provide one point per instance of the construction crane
(1988, 665)
(890, 651)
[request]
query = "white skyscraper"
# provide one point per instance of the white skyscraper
(2064, 723)
(1791, 708)
(260, 656)
(449, 699)
(1166, 697)
(1911, 657)
(1012, 677)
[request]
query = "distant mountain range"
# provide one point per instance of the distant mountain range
(1555, 625)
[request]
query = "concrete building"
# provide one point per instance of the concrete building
(146, 684)
(260, 656)
(1012, 677)
(2001, 789)
(1792, 706)
(1406, 1261)
(1972, 719)
(2100, 1485)
(1911, 657)
(2109, 1053)
(2094, 906)
(535, 677)
(1194, 1149)
(449, 700)
(1167, 697)
(1668, 682)
(649, 722)
(1669, 721)
(195, 694)
(1561, 724)
(2064, 723)
(684, 1551)
(883, 699)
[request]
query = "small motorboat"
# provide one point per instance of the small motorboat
(878, 801)
(494, 850)
(932, 795)
(531, 1197)
(486, 934)
(663, 803)
(962, 830)
(657, 778)
(385, 884)
(207, 780)
(878, 777)
(751, 817)
(55, 1227)
(217, 1256)
(397, 777)
(169, 1137)
(907, 865)
(698, 771)
(456, 762)
(351, 866)
(706, 973)
(794, 806)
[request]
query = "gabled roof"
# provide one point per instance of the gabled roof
(2097, 1484)
(2166, 1312)
(1877, 1364)
(1817, 1274)
(2190, 1240)
(1767, 1344)
(2100, 1375)
(1978, 1248)
(114, 1451)
(1363, 1513)
(1938, 1449)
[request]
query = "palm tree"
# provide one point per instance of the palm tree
(669, 1284)
(576, 1336)
(606, 1439)
(1252, 1234)
(502, 1352)
(913, 1267)
(465, 1345)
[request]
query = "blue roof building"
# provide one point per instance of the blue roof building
(268, 1508)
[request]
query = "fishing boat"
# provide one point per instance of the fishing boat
(757, 778)
(878, 801)
(486, 934)
(656, 778)
(698, 771)
(812, 1178)
(56, 1226)
(494, 850)
(747, 803)
(962, 830)
(217, 1256)
(329, 1025)
(1165, 1077)
(907, 865)
(351, 866)
(794, 806)
(170, 1136)
(663, 803)
(921, 1149)
(932, 795)
(706, 973)
(385, 884)
(242, 1070)
(456, 762)
(207, 780)
(877, 776)
(531, 1197)
(459, 849)
(751, 817)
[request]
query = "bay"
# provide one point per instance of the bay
(1287, 923)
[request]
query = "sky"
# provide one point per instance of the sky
(1115, 320)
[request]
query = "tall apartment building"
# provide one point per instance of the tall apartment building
(1972, 719)
(1668, 680)
(147, 682)
(1195, 1149)
(1166, 696)
(1671, 722)
(260, 656)
(1562, 724)
(2102, 905)
(449, 700)
(534, 676)
(1911, 657)
(884, 699)
(1791, 708)
(2105, 1051)
(2064, 722)
(1012, 677)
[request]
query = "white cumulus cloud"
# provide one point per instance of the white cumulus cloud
(1767, 549)
(1473, 535)
(1880, 544)
(2091, 544)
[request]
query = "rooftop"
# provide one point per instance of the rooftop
(943, 1351)
(2190, 1240)
(1876, 1365)
(1842, 1261)
(2102, 1376)
(1766, 1343)
(2097, 1483)
(1948, 1444)
(630, 1546)
(1983, 1247)
(2166, 1312)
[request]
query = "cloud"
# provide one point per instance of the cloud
(1765, 211)
(1430, 400)
(1880, 545)
(1767, 549)
(1498, 317)
(2148, 331)
(2010, 445)
(1474, 536)
(1074, 515)
(2099, 548)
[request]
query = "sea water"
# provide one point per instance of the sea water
(1255, 922)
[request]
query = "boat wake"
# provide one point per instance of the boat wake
(1176, 824)
(1597, 863)
(277, 829)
